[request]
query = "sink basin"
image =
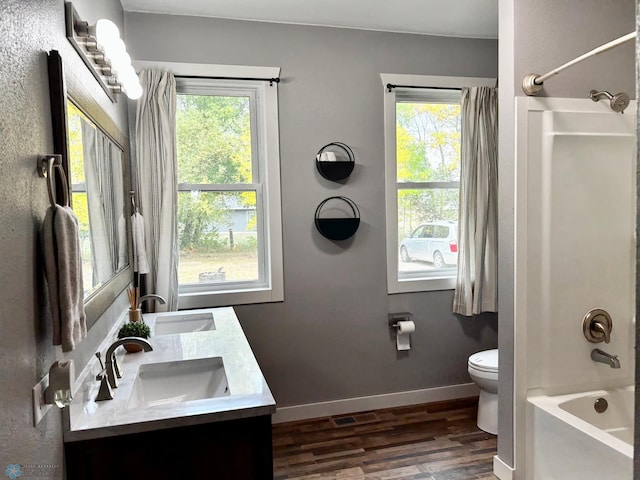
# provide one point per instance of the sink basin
(184, 323)
(177, 382)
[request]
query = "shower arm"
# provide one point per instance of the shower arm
(595, 95)
(532, 83)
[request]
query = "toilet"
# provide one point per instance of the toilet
(483, 369)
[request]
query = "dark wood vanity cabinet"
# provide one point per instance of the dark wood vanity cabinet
(229, 450)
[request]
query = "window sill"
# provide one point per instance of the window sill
(423, 285)
(223, 299)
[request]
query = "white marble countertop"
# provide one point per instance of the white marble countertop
(249, 393)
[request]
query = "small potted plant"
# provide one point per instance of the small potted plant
(135, 327)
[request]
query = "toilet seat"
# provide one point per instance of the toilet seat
(486, 361)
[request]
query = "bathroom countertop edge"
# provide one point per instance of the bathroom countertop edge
(250, 395)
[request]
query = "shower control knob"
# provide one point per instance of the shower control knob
(597, 326)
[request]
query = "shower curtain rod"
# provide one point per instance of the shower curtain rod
(532, 83)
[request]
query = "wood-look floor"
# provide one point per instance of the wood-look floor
(435, 441)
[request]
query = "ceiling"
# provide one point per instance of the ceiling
(452, 18)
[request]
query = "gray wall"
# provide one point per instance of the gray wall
(28, 29)
(549, 33)
(537, 36)
(329, 339)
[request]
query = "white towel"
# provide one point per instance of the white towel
(123, 254)
(63, 268)
(140, 262)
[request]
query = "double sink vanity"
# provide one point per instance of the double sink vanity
(196, 406)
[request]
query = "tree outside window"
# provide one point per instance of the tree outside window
(217, 225)
(428, 175)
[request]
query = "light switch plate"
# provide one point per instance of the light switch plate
(40, 408)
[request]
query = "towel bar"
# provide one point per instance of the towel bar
(45, 166)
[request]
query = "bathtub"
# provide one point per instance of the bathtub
(567, 439)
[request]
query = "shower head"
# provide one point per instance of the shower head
(618, 102)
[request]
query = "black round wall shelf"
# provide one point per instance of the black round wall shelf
(335, 161)
(338, 228)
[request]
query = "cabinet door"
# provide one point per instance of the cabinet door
(231, 450)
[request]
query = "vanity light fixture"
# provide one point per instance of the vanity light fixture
(104, 52)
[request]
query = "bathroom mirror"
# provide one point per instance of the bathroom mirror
(95, 158)
(96, 179)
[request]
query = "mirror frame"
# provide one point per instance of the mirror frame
(103, 296)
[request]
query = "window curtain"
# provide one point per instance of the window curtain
(477, 283)
(157, 182)
(117, 205)
(99, 188)
(109, 165)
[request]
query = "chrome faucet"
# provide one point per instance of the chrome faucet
(111, 363)
(150, 296)
(600, 356)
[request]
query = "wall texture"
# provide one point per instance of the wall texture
(535, 37)
(28, 29)
(329, 339)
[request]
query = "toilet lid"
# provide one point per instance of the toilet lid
(486, 361)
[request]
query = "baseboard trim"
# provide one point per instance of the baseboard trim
(374, 402)
(501, 469)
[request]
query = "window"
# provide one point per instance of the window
(76, 119)
(422, 150)
(229, 225)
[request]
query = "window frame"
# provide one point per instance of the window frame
(266, 177)
(444, 279)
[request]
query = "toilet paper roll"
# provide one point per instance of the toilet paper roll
(403, 335)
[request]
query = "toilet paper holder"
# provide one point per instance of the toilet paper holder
(394, 318)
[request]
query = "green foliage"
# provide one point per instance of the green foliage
(214, 139)
(246, 243)
(135, 329)
(214, 147)
(428, 150)
(197, 212)
(428, 141)
(76, 166)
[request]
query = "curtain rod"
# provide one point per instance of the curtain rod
(391, 86)
(270, 80)
(532, 83)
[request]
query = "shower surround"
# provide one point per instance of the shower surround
(575, 251)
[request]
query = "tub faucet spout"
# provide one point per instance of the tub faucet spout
(601, 356)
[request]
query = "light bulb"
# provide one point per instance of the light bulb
(106, 32)
(114, 49)
(120, 63)
(134, 91)
(130, 82)
(127, 75)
